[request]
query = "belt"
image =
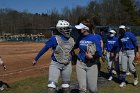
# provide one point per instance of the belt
(65, 63)
(85, 61)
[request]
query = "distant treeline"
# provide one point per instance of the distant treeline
(108, 12)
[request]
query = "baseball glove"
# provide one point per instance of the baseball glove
(91, 48)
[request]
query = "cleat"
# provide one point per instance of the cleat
(110, 78)
(122, 84)
(128, 74)
(1, 88)
(114, 72)
(136, 81)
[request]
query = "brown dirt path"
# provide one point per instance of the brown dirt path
(18, 57)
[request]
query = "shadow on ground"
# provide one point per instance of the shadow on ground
(74, 87)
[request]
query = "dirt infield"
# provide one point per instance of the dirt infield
(18, 58)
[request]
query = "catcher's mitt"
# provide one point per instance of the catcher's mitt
(91, 48)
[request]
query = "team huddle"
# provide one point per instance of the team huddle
(119, 51)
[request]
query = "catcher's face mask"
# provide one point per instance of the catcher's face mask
(64, 28)
(65, 31)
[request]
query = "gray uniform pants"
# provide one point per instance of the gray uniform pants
(128, 57)
(110, 62)
(56, 68)
(87, 74)
(120, 54)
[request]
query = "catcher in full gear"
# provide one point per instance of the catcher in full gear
(62, 45)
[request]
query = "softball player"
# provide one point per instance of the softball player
(86, 67)
(62, 46)
(111, 49)
(2, 63)
(129, 47)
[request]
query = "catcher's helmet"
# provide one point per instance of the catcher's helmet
(64, 27)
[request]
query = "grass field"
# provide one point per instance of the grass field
(39, 85)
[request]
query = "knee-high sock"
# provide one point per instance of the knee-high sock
(123, 76)
(135, 74)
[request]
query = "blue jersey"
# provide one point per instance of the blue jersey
(51, 43)
(128, 41)
(112, 44)
(82, 43)
(98, 43)
(98, 36)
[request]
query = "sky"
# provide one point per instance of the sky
(41, 6)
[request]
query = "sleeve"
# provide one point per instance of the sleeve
(100, 38)
(134, 41)
(98, 52)
(77, 43)
(50, 43)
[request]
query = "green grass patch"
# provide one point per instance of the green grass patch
(31, 85)
(39, 84)
(113, 87)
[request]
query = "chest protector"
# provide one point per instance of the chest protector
(63, 49)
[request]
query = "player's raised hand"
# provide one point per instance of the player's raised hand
(34, 62)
